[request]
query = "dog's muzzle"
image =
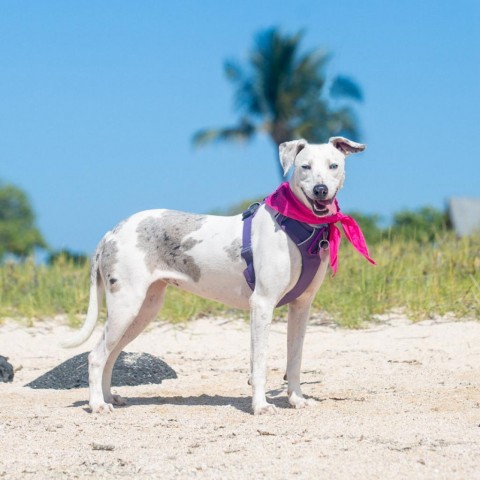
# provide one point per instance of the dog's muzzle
(319, 205)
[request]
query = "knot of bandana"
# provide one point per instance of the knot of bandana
(284, 201)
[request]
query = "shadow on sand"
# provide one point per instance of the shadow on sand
(244, 404)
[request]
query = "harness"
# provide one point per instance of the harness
(309, 240)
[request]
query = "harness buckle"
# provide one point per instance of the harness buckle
(250, 210)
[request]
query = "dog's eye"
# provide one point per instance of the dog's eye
(306, 167)
(333, 166)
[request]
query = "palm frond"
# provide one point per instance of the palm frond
(345, 87)
(241, 133)
(273, 66)
(233, 71)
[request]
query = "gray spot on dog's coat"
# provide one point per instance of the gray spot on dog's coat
(163, 239)
(234, 250)
(108, 260)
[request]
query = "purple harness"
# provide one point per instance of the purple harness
(308, 239)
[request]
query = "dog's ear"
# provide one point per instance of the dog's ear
(288, 151)
(346, 146)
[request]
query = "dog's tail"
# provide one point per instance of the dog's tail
(94, 305)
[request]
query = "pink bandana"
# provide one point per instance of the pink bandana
(284, 201)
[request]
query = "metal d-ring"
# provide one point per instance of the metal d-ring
(324, 244)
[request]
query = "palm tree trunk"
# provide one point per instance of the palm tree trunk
(279, 165)
(280, 133)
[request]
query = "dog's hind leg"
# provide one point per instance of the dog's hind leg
(298, 313)
(150, 307)
(123, 315)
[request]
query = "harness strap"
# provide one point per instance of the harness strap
(308, 239)
(247, 255)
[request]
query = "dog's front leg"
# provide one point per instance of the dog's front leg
(298, 314)
(261, 312)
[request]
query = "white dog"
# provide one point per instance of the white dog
(136, 261)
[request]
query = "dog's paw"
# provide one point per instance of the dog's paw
(102, 408)
(297, 401)
(265, 409)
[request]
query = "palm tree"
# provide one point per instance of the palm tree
(284, 93)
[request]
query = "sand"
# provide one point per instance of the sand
(395, 400)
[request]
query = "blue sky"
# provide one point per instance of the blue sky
(99, 100)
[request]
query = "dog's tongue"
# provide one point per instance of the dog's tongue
(327, 207)
(332, 207)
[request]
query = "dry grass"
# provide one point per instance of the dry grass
(423, 279)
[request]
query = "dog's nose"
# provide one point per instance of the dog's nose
(320, 191)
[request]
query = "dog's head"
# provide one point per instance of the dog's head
(319, 170)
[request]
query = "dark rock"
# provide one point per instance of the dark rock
(130, 369)
(6, 370)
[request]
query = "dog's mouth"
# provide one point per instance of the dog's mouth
(322, 208)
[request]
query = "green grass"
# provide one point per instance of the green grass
(422, 279)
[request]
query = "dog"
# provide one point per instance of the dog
(136, 261)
